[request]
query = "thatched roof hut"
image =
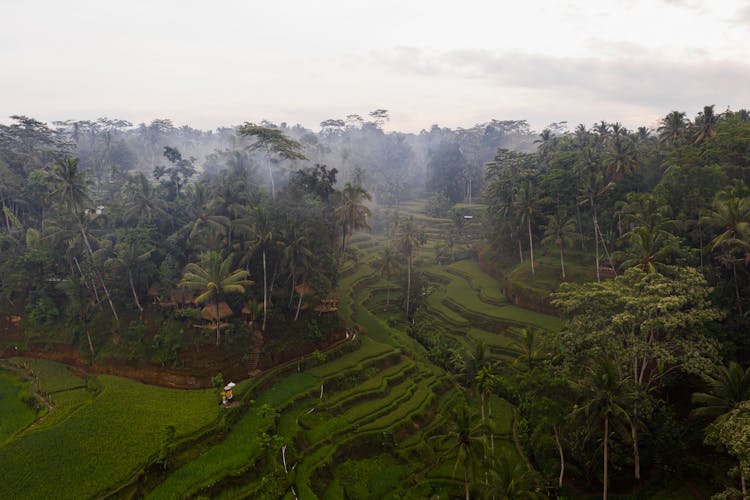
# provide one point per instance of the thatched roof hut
(209, 312)
(327, 305)
(304, 289)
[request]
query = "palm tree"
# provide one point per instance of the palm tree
(605, 396)
(128, 255)
(409, 238)
(201, 215)
(526, 202)
(295, 256)
(77, 231)
(594, 187)
(621, 157)
(258, 238)
(388, 266)
(80, 302)
(465, 441)
(705, 124)
(70, 186)
(352, 213)
(142, 201)
(214, 278)
(673, 129)
(527, 346)
(560, 231)
(729, 387)
(731, 214)
(648, 248)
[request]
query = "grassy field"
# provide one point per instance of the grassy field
(103, 442)
(16, 414)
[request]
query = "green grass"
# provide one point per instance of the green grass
(104, 442)
(241, 446)
(49, 375)
(16, 414)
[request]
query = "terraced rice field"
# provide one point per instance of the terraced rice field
(358, 425)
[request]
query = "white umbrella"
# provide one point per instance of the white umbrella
(231, 384)
(227, 388)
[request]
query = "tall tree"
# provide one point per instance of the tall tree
(408, 240)
(605, 398)
(273, 142)
(560, 231)
(214, 277)
(352, 213)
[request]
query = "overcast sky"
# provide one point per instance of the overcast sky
(210, 64)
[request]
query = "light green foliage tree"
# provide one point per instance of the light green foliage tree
(652, 324)
(732, 434)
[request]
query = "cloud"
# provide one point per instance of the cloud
(742, 16)
(637, 80)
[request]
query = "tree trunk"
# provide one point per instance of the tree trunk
(466, 481)
(562, 264)
(218, 320)
(596, 242)
(736, 289)
(492, 427)
(606, 454)
(531, 244)
(5, 214)
(388, 294)
(343, 242)
(481, 403)
(520, 250)
(299, 305)
(88, 336)
(291, 295)
(135, 296)
(742, 483)
(99, 275)
(265, 293)
(634, 436)
(562, 457)
(270, 175)
(408, 285)
(580, 226)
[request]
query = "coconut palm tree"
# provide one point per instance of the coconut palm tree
(605, 397)
(258, 238)
(128, 255)
(352, 213)
(648, 249)
(388, 266)
(560, 231)
(673, 129)
(731, 215)
(295, 256)
(526, 203)
(465, 441)
(726, 389)
(69, 186)
(142, 201)
(214, 277)
(705, 124)
(408, 240)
